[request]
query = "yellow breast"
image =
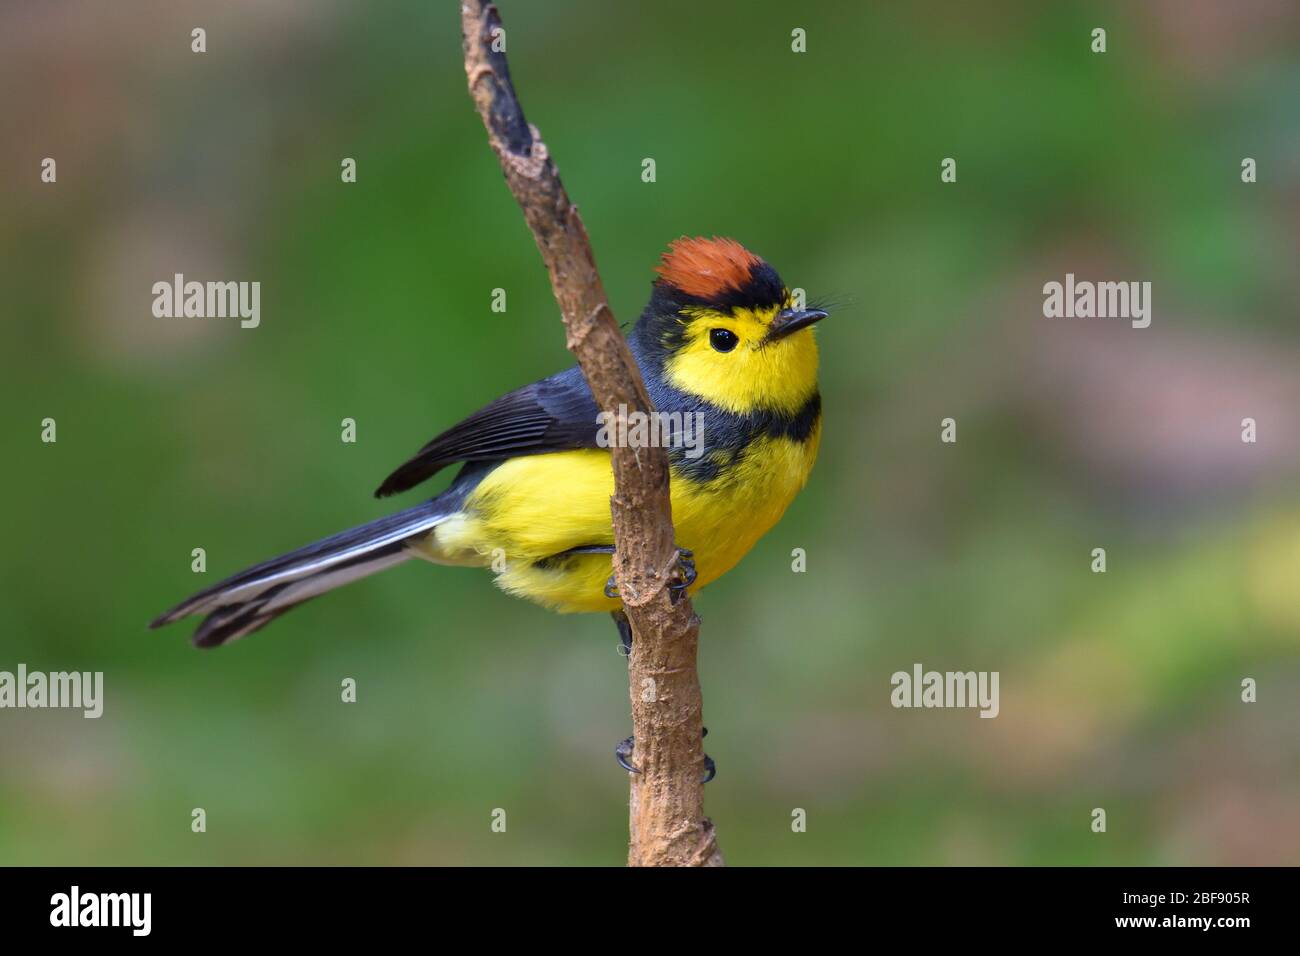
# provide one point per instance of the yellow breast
(531, 508)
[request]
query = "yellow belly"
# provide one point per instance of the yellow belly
(531, 508)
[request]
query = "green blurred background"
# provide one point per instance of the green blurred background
(1118, 690)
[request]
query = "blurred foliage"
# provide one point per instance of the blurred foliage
(1119, 690)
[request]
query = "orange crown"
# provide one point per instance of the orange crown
(707, 267)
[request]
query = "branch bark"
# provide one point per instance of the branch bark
(667, 826)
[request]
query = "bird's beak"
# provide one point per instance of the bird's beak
(788, 321)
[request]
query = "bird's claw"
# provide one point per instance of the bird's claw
(623, 754)
(685, 577)
(624, 633)
(710, 768)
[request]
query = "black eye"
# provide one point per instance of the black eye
(723, 340)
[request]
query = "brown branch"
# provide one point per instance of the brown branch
(667, 823)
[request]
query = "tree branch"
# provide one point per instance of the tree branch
(667, 823)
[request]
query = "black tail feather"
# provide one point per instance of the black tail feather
(237, 620)
(251, 599)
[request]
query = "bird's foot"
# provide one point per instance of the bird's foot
(624, 632)
(684, 576)
(623, 754)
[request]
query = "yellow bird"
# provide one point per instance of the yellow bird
(730, 362)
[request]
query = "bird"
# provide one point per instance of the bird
(723, 344)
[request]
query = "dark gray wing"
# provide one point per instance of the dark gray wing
(555, 414)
